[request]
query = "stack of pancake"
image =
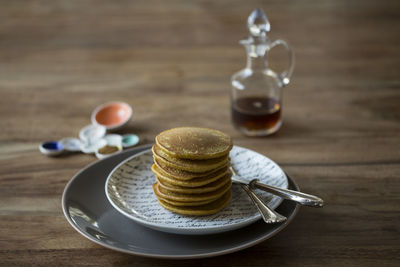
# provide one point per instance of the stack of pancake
(191, 166)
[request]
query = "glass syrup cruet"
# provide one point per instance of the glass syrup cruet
(256, 98)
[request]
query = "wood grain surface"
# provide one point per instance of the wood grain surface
(172, 61)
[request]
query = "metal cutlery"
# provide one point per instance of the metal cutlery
(266, 212)
(299, 197)
(268, 215)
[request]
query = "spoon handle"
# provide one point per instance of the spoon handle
(268, 214)
(302, 198)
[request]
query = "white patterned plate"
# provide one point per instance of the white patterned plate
(129, 190)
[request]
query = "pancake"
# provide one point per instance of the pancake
(191, 166)
(194, 190)
(194, 143)
(183, 203)
(186, 175)
(206, 209)
(187, 164)
(195, 182)
(190, 197)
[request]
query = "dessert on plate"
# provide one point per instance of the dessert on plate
(191, 168)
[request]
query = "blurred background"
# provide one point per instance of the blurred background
(70, 56)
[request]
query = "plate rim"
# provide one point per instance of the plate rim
(251, 243)
(187, 230)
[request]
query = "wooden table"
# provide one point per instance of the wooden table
(172, 61)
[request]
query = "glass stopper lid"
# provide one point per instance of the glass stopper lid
(258, 24)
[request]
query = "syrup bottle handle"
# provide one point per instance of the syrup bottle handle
(285, 75)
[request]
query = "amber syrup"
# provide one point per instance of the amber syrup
(256, 115)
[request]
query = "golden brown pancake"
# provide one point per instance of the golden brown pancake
(191, 168)
(187, 164)
(185, 175)
(194, 190)
(206, 209)
(194, 143)
(183, 203)
(190, 197)
(195, 182)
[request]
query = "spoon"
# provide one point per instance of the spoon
(266, 212)
(299, 197)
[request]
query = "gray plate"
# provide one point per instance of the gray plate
(87, 209)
